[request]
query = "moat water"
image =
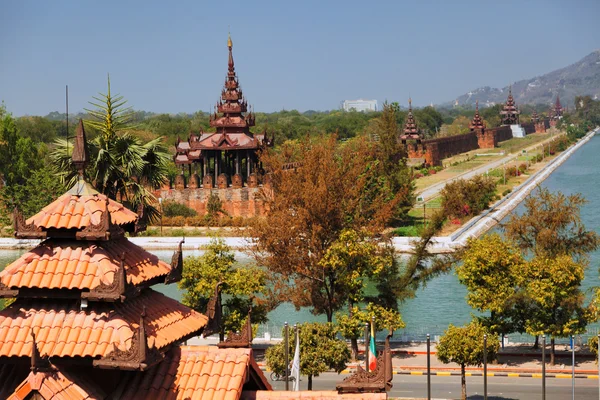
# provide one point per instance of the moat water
(442, 300)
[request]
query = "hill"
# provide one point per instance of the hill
(578, 79)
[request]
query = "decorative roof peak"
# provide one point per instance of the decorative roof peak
(410, 126)
(230, 62)
(477, 122)
(80, 156)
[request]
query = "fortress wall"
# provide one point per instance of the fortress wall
(237, 202)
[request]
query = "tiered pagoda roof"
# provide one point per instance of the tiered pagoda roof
(232, 122)
(411, 131)
(558, 109)
(86, 316)
(510, 112)
(477, 122)
(535, 118)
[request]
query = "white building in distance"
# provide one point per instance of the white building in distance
(359, 105)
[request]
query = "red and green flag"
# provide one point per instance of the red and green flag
(372, 350)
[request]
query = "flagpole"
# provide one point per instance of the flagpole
(367, 346)
(287, 357)
(296, 362)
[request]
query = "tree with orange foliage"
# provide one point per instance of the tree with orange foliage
(320, 239)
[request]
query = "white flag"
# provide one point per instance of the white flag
(295, 373)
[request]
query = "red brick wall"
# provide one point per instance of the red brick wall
(502, 133)
(240, 202)
(529, 128)
(438, 149)
(486, 139)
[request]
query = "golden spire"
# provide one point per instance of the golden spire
(229, 42)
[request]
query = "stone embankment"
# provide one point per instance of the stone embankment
(489, 218)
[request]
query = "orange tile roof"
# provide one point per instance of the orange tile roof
(311, 395)
(70, 264)
(63, 330)
(71, 211)
(197, 372)
(54, 385)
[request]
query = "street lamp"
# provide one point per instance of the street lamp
(161, 213)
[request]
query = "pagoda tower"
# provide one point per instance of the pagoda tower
(85, 315)
(228, 155)
(411, 131)
(477, 122)
(535, 118)
(510, 112)
(558, 109)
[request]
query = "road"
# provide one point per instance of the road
(433, 190)
(448, 387)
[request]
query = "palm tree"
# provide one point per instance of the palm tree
(121, 166)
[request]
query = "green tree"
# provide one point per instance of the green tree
(20, 158)
(241, 285)
(489, 270)
(459, 126)
(553, 287)
(352, 325)
(320, 351)
(121, 166)
(551, 225)
(464, 346)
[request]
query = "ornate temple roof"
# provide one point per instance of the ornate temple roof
(64, 329)
(79, 208)
(510, 112)
(558, 109)
(83, 265)
(410, 125)
(477, 122)
(231, 120)
(535, 117)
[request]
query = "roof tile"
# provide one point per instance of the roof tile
(63, 330)
(71, 211)
(70, 264)
(196, 372)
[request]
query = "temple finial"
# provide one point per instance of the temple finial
(409, 103)
(80, 156)
(230, 63)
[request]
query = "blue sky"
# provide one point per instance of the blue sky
(172, 56)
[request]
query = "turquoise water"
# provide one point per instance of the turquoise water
(442, 301)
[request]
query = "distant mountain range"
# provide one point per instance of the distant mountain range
(581, 78)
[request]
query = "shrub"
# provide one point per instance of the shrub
(522, 168)
(507, 191)
(214, 206)
(432, 171)
(174, 209)
(463, 198)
